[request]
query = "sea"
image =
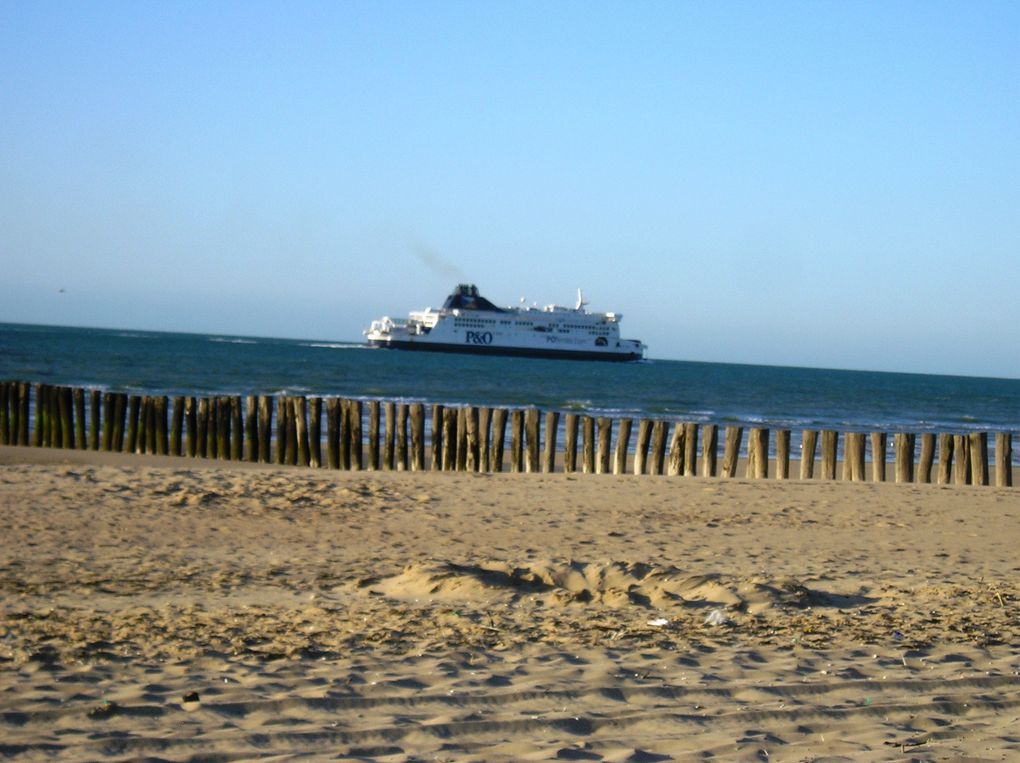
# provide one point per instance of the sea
(150, 362)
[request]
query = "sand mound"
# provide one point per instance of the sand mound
(612, 584)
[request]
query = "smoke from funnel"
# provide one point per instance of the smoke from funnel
(431, 259)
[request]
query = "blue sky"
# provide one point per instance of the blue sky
(830, 184)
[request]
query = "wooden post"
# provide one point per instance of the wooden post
(484, 429)
(333, 415)
(437, 438)
(570, 424)
(855, 450)
(927, 457)
(879, 445)
(190, 427)
(315, 432)
(516, 440)
(944, 475)
(731, 451)
(904, 457)
(374, 412)
(353, 425)
(462, 441)
(979, 457)
(120, 407)
(417, 437)
(300, 407)
(281, 429)
(498, 436)
(236, 428)
(65, 405)
(154, 431)
(677, 451)
(38, 427)
(758, 453)
(961, 449)
(690, 449)
(605, 429)
(1004, 459)
(449, 439)
(345, 433)
(660, 431)
(24, 405)
(202, 417)
(80, 427)
(177, 426)
(162, 435)
(622, 444)
(809, 444)
(223, 422)
(644, 433)
(146, 424)
(390, 436)
(830, 454)
(532, 435)
(5, 416)
(402, 462)
(783, 454)
(292, 452)
(106, 422)
(588, 444)
(709, 450)
(265, 429)
(471, 433)
(552, 427)
(95, 422)
(251, 428)
(134, 407)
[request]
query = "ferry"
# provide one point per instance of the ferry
(469, 323)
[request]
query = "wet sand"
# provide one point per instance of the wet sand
(178, 609)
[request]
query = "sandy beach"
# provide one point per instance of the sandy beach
(175, 609)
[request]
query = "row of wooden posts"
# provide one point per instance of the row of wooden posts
(466, 438)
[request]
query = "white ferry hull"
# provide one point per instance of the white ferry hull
(508, 351)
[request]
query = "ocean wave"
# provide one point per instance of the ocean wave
(336, 345)
(231, 340)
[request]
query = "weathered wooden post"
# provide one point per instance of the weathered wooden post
(95, 422)
(449, 439)
(961, 449)
(374, 413)
(223, 422)
(38, 427)
(80, 427)
(315, 432)
(830, 453)
(498, 437)
(417, 437)
(160, 412)
(292, 449)
(236, 428)
(202, 417)
(437, 438)
(588, 444)
(690, 449)
(5, 416)
(552, 427)
(945, 472)
(855, 451)
(105, 423)
(190, 427)
(731, 451)
(120, 407)
(709, 450)
(603, 461)
(134, 408)
(24, 404)
(299, 406)
(353, 424)
(265, 429)
(979, 457)
(927, 457)
(333, 418)
(809, 444)
(516, 440)
(345, 434)
(904, 457)
(1004, 459)
(281, 428)
(644, 434)
(570, 424)
(142, 433)
(251, 428)
(390, 436)
(65, 405)
(660, 431)
(783, 454)
(879, 445)
(622, 445)
(177, 427)
(532, 435)
(484, 443)
(758, 443)
(402, 455)
(677, 451)
(462, 439)
(473, 444)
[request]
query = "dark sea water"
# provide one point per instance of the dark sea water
(794, 398)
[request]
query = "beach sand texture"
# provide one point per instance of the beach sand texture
(173, 609)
